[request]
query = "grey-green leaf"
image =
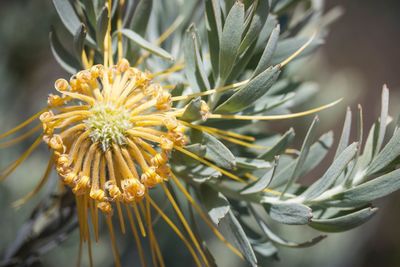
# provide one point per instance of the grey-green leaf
(260, 184)
(101, 27)
(288, 46)
(141, 17)
(390, 152)
(66, 60)
(383, 118)
(317, 153)
(194, 68)
(280, 146)
(69, 18)
(290, 213)
(67, 15)
(268, 52)
(279, 240)
(214, 32)
(230, 39)
(234, 232)
(333, 172)
(218, 152)
(79, 39)
(368, 191)
(252, 164)
(215, 202)
(90, 11)
(193, 111)
(256, 24)
(344, 138)
(305, 148)
(250, 92)
(140, 41)
(343, 223)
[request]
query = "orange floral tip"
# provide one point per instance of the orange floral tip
(61, 85)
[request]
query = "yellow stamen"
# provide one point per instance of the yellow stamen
(205, 162)
(215, 130)
(210, 92)
(21, 159)
(22, 125)
(274, 117)
(174, 68)
(139, 218)
(18, 203)
(136, 236)
(176, 230)
(298, 52)
(85, 60)
(204, 216)
(185, 223)
(114, 247)
(20, 138)
(173, 27)
(156, 253)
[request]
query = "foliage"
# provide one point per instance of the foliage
(245, 45)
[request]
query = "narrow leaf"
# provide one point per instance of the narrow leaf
(69, 18)
(260, 184)
(101, 28)
(231, 228)
(303, 155)
(63, 58)
(67, 15)
(333, 172)
(343, 223)
(218, 152)
(383, 118)
(344, 138)
(90, 11)
(389, 153)
(136, 38)
(279, 240)
(280, 146)
(79, 39)
(268, 52)
(192, 111)
(290, 213)
(256, 24)
(289, 46)
(214, 32)
(215, 202)
(368, 191)
(317, 153)
(252, 164)
(194, 68)
(250, 92)
(141, 17)
(230, 39)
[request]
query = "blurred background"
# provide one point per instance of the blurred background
(361, 53)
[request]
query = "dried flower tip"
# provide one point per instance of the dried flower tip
(98, 195)
(105, 207)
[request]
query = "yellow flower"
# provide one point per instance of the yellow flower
(111, 131)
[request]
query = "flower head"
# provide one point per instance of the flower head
(111, 131)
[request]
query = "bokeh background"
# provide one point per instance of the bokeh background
(361, 53)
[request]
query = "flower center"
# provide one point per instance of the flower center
(108, 124)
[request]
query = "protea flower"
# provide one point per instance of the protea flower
(118, 131)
